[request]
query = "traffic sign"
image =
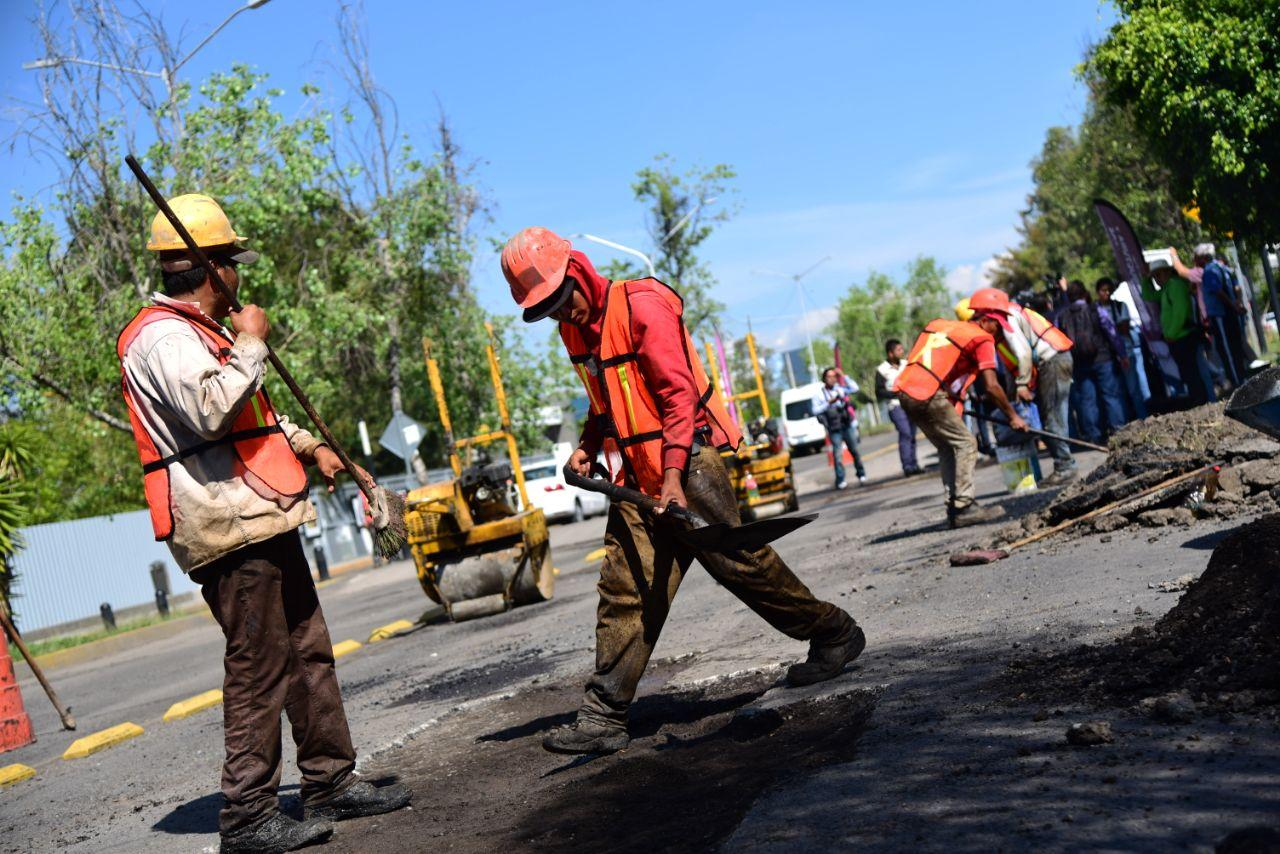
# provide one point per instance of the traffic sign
(402, 436)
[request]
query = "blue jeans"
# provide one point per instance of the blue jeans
(1135, 380)
(847, 437)
(1091, 381)
(1053, 398)
(906, 439)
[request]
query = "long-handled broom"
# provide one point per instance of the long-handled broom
(392, 535)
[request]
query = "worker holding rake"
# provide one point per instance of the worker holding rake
(224, 479)
(661, 426)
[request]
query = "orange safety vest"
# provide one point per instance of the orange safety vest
(1043, 330)
(619, 394)
(256, 435)
(934, 355)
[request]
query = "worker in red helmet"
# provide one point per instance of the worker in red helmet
(661, 426)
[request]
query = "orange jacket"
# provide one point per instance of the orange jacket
(256, 435)
(622, 400)
(946, 357)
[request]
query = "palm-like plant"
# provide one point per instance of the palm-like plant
(16, 457)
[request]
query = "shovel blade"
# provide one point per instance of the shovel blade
(1257, 403)
(723, 537)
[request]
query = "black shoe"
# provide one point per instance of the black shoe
(361, 799)
(277, 832)
(584, 736)
(974, 514)
(825, 661)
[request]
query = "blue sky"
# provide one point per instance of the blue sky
(867, 132)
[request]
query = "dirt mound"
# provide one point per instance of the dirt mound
(1147, 453)
(1215, 650)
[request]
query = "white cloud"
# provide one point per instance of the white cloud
(814, 322)
(967, 278)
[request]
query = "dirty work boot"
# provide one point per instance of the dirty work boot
(973, 514)
(587, 736)
(277, 832)
(1060, 476)
(825, 661)
(361, 799)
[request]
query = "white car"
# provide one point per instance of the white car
(544, 481)
(804, 432)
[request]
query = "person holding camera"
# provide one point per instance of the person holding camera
(834, 408)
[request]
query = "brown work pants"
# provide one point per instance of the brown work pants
(957, 448)
(278, 658)
(643, 566)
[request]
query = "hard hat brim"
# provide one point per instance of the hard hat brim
(551, 304)
(179, 265)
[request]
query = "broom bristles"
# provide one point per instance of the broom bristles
(390, 539)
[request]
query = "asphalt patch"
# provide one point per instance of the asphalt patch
(699, 758)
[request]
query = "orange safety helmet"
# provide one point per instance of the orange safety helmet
(534, 262)
(989, 299)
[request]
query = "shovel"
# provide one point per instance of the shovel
(1043, 434)
(700, 534)
(1257, 403)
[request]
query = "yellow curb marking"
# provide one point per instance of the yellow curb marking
(384, 632)
(82, 747)
(11, 774)
(598, 554)
(346, 646)
(191, 705)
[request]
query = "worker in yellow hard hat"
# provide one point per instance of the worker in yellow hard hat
(223, 474)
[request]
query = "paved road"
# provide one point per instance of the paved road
(937, 637)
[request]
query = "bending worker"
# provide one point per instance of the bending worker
(944, 361)
(223, 475)
(1043, 368)
(660, 424)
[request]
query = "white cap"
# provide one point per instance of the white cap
(1204, 250)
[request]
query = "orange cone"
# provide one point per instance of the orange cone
(15, 724)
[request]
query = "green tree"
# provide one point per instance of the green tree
(16, 458)
(1202, 79)
(1105, 157)
(682, 211)
(881, 308)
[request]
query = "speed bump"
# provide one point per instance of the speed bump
(191, 705)
(598, 554)
(101, 740)
(342, 648)
(384, 632)
(16, 773)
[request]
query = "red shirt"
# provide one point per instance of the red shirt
(658, 334)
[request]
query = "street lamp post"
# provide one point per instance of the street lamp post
(618, 246)
(675, 229)
(166, 76)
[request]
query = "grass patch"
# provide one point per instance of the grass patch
(44, 647)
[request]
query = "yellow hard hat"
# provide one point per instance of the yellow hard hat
(203, 218)
(963, 312)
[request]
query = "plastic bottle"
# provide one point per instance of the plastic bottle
(753, 488)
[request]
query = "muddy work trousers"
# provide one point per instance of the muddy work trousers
(643, 567)
(957, 448)
(278, 658)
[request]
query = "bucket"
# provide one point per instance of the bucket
(1020, 467)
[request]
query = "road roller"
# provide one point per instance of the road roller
(760, 469)
(480, 548)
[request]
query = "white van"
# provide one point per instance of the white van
(805, 434)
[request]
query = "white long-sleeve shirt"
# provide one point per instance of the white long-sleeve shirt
(184, 396)
(841, 391)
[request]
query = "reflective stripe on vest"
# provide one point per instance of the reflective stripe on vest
(1043, 330)
(630, 417)
(255, 435)
(932, 358)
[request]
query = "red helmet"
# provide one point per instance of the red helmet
(989, 299)
(534, 262)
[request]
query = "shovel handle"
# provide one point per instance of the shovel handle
(631, 496)
(1042, 433)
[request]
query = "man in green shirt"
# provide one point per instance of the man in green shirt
(1178, 323)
